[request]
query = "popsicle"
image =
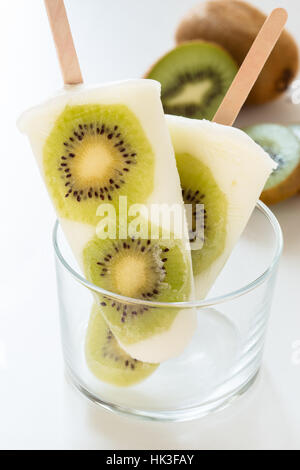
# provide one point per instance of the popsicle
(101, 147)
(221, 169)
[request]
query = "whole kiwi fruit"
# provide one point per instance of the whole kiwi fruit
(234, 25)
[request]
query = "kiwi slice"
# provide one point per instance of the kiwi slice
(200, 188)
(284, 148)
(195, 77)
(106, 360)
(94, 154)
(150, 270)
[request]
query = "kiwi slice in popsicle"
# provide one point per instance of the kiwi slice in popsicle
(199, 187)
(106, 360)
(94, 154)
(150, 270)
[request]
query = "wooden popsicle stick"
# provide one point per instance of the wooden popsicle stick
(251, 67)
(63, 40)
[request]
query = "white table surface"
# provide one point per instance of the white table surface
(38, 409)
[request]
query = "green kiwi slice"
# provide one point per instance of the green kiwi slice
(106, 360)
(94, 154)
(150, 270)
(283, 146)
(199, 187)
(195, 77)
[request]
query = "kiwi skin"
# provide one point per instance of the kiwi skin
(286, 189)
(234, 25)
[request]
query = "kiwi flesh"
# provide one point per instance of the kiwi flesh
(295, 128)
(199, 188)
(283, 147)
(234, 24)
(225, 170)
(96, 153)
(195, 78)
(106, 360)
(150, 270)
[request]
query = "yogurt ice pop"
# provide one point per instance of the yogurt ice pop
(92, 146)
(223, 169)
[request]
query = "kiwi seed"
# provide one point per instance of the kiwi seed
(191, 109)
(109, 350)
(198, 214)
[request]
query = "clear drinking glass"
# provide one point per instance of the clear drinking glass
(225, 354)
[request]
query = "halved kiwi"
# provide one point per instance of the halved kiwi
(95, 153)
(284, 148)
(195, 77)
(156, 270)
(106, 360)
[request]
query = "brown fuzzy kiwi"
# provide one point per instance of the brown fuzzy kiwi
(234, 25)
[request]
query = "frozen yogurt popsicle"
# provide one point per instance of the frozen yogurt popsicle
(223, 171)
(221, 168)
(94, 145)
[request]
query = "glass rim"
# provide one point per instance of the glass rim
(208, 302)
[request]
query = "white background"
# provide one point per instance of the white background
(38, 409)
